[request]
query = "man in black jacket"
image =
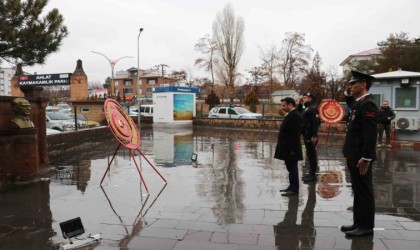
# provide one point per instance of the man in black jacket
(310, 133)
(288, 146)
(385, 116)
(360, 151)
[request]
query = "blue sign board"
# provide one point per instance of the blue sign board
(176, 89)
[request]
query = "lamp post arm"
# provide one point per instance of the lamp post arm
(109, 60)
(121, 58)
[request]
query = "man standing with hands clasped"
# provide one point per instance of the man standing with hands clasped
(288, 146)
(385, 116)
(360, 152)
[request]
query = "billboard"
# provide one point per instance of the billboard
(45, 80)
(183, 107)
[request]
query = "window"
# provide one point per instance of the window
(377, 99)
(84, 110)
(128, 83)
(151, 81)
(406, 98)
(232, 112)
(222, 111)
(149, 89)
(128, 91)
(116, 83)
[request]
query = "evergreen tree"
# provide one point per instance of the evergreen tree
(398, 52)
(25, 37)
(251, 99)
(212, 100)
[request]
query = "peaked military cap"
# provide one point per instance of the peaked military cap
(357, 76)
(308, 94)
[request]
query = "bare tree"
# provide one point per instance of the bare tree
(314, 80)
(95, 85)
(294, 57)
(206, 46)
(270, 63)
(335, 83)
(257, 76)
(228, 35)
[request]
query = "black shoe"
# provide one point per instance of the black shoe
(347, 228)
(289, 193)
(285, 190)
(358, 232)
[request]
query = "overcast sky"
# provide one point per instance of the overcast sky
(334, 28)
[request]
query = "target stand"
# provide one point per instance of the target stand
(330, 112)
(127, 134)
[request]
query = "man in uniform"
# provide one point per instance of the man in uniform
(288, 146)
(310, 133)
(360, 151)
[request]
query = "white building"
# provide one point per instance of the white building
(361, 56)
(402, 90)
(283, 93)
(6, 75)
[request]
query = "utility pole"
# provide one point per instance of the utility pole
(161, 68)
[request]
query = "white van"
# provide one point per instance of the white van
(145, 110)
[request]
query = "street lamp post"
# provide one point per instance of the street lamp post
(112, 63)
(138, 76)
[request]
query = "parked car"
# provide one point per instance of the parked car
(233, 112)
(145, 110)
(62, 122)
(51, 131)
(64, 107)
(52, 109)
(89, 123)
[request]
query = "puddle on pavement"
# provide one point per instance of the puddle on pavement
(235, 180)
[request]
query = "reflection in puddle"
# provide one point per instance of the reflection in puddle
(235, 181)
(139, 223)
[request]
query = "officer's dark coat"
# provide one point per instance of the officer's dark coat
(288, 146)
(361, 131)
(310, 121)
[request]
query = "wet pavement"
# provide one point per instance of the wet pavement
(228, 199)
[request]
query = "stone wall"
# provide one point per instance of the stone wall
(62, 142)
(260, 124)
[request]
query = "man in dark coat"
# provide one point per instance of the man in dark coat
(385, 116)
(288, 146)
(360, 151)
(310, 133)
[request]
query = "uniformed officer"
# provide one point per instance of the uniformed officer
(310, 127)
(360, 151)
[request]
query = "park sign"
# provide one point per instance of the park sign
(45, 80)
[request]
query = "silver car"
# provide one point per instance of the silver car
(62, 122)
(233, 112)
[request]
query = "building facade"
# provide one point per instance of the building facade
(402, 90)
(126, 83)
(6, 75)
(361, 56)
